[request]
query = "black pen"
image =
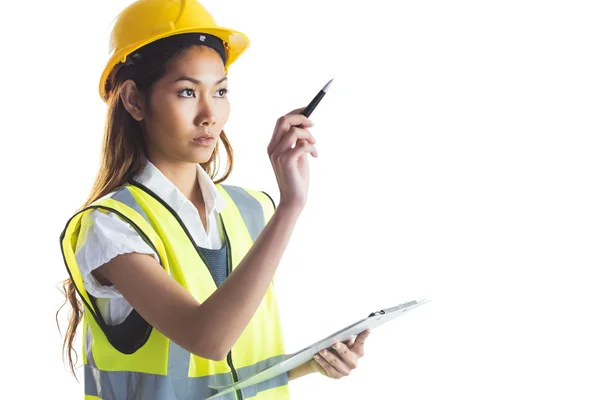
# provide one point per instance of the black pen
(313, 104)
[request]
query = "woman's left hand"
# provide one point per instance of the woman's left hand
(343, 359)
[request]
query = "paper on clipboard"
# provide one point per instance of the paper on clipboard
(374, 320)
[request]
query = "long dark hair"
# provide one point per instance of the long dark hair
(124, 156)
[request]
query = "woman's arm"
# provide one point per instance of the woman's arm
(302, 370)
(210, 329)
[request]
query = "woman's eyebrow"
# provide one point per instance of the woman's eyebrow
(196, 81)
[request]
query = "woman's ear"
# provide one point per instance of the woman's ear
(132, 100)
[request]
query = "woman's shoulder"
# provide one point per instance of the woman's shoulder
(247, 190)
(115, 194)
(244, 194)
(103, 219)
(105, 223)
(104, 234)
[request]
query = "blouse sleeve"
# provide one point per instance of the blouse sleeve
(103, 237)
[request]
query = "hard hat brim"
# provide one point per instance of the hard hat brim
(236, 44)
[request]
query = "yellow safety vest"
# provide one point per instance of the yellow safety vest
(157, 368)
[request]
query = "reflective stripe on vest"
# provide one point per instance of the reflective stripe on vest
(162, 387)
(174, 373)
(249, 207)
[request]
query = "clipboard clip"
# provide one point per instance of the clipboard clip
(376, 313)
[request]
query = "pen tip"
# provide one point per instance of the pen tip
(327, 86)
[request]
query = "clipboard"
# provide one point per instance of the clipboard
(374, 320)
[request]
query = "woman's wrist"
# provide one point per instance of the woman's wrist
(288, 212)
(307, 368)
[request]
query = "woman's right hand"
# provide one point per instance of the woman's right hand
(288, 150)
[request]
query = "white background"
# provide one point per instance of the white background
(458, 163)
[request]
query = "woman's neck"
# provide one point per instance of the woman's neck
(184, 177)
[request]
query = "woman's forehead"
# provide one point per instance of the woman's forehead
(196, 60)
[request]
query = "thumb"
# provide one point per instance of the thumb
(361, 337)
(350, 342)
(296, 111)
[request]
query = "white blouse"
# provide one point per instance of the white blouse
(108, 236)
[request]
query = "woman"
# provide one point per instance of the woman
(171, 272)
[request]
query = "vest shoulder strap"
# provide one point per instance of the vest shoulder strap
(123, 202)
(256, 207)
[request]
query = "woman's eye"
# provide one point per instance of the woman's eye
(222, 92)
(187, 93)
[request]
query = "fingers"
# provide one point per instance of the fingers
(293, 137)
(346, 355)
(301, 148)
(283, 125)
(350, 342)
(339, 360)
(359, 343)
(290, 158)
(328, 368)
(296, 111)
(289, 120)
(332, 364)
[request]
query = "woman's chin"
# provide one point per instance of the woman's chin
(201, 157)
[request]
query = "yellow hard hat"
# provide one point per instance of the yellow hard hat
(146, 21)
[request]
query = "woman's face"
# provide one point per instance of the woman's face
(187, 108)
